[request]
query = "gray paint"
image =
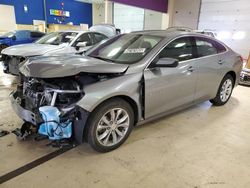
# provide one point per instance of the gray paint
(166, 89)
(68, 65)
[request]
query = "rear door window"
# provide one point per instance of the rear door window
(181, 49)
(220, 47)
(205, 47)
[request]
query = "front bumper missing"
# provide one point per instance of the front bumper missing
(23, 113)
(79, 120)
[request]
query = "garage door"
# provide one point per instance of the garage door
(231, 21)
(128, 18)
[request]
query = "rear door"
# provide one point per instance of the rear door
(169, 88)
(209, 67)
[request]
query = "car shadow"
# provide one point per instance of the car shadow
(200, 112)
(162, 125)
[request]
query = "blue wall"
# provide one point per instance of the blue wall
(79, 12)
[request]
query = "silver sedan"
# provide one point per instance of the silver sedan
(128, 80)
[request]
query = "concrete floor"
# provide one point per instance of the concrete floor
(203, 146)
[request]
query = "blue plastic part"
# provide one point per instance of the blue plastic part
(52, 127)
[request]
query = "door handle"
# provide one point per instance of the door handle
(220, 62)
(191, 69)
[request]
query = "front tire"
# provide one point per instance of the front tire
(224, 92)
(110, 125)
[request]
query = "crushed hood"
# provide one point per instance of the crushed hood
(33, 49)
(69, 65)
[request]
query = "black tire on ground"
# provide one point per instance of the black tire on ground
(95, 120)
(217, 101)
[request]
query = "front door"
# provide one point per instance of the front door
(168, 88)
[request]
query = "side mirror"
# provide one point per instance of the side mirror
(167, 62)
(13, 37)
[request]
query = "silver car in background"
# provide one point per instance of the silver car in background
(56, 43)
(245, 74)
(128, 80)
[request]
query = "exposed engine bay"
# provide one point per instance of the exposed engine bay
(50, 104)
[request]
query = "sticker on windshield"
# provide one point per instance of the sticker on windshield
(135, 51)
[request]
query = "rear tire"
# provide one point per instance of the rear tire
(110, 125)
(224, 92)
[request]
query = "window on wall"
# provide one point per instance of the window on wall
(128, 18)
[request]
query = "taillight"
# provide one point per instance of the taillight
(241, 58)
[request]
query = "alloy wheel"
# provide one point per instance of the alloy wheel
(226, 90)
(112, 127)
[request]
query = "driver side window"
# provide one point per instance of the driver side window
(181, 49)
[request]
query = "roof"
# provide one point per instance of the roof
(76, 31)
(163, 33)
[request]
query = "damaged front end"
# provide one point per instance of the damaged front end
(50, 104)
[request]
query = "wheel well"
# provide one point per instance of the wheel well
(132, 103)
(129, 100)
(232, 73)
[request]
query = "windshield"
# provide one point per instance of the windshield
(8, 34)
(57, 38)
(126, 49)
